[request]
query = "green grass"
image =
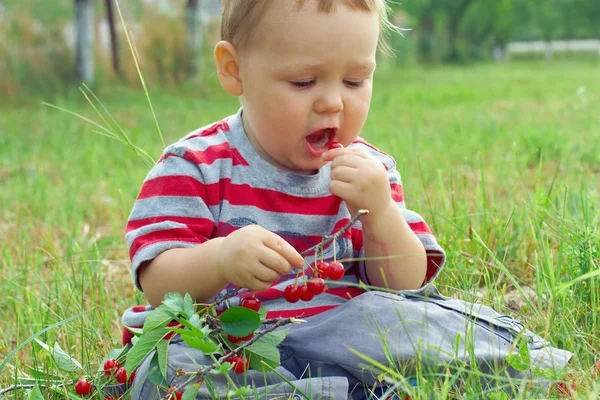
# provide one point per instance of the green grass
(502, 160)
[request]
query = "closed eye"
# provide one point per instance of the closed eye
(302, 84)
(354, 84)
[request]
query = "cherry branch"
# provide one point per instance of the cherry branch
(330, 238)
(274, 324)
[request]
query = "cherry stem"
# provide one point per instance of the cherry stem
(330, 238)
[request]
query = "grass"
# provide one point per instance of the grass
(502, 160)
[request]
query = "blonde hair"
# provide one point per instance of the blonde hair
(241, 17)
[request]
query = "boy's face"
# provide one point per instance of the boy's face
(307, 81)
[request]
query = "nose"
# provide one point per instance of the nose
(328, 102)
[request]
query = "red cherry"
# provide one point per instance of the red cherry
(235, 339)
(241, 364)
(336, 271)
(252, 303)
(304, 293)
(335, 145)
(179, 395)
(83, 387)
(121, 375)
(316, 285)
(323, 268)
(131, 378)
(111, 366)
(291, 294)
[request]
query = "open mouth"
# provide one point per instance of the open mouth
(317, 142)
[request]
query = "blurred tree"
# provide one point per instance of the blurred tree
(193, 38)
(84, 22)
(114, 44)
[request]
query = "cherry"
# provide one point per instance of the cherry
(304, 293)
(179, 395)
(240, 364)
(131, 378)
(235, 339)
(336, 271)
(252, 303)
(323, 268)
(335, 145)
(291, 294)
(316, 285)
(83, 387)
(111, 366)
(121, 375)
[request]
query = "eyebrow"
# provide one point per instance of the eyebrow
(302, 67)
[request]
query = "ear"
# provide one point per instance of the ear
(228, 67)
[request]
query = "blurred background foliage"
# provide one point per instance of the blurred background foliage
(37, 38)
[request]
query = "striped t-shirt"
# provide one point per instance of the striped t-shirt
(212, 182)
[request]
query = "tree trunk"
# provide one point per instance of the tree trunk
(84, 14)
(113, 36)
(453, 26)
(193, 38)
(426, 46)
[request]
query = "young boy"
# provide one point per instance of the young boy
(235, 203)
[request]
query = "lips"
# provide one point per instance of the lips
(318, 142)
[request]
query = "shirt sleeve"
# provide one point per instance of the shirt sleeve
(171, 211)
(436, 255)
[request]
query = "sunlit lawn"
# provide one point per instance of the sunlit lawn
(502, 160)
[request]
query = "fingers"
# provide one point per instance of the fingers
(334, 154)
(288, 256)
(343, 173)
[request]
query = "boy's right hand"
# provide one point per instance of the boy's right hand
(254, 257)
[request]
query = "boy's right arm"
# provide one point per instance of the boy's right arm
(251, 257)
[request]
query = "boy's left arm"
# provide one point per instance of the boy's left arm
(363, 182)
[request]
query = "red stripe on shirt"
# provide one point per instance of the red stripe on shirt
(397, 192)
(271, 200)
(211, 130)
(420, 228)
(173, 185)
(166, 235)
(220, 151)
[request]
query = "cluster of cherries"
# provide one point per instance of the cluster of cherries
(315, 285)
(112, 368)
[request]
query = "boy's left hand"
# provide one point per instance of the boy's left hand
(361, 181)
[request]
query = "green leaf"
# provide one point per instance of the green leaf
(179, 304)
(524, 352)
(242, 392)
(158, 318)
(161, 351)
(174, 301)
(515, 361)
(117, 353)
(36, 393)
(190, 393)
(154, 374)
(205, 345)
(275, 337)
(63, 361)
(146, 343)
(239, 321)
(263, 351)
(195, 321)
(221, 369)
